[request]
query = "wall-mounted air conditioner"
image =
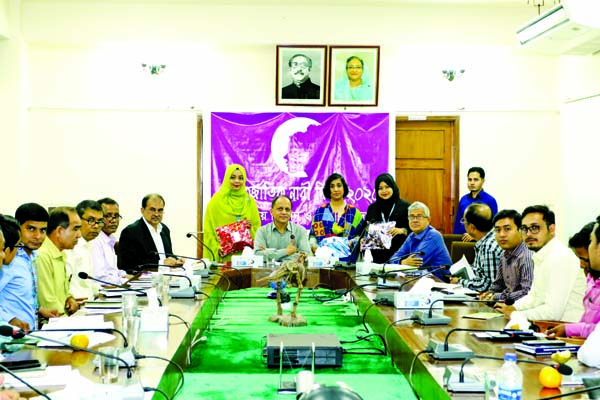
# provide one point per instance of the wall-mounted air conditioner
(572, 27)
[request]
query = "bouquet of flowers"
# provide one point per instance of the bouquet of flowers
(378, 236)
(234, 237)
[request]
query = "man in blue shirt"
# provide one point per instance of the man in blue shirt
(18, 294)
(476, 179)
(424, 247)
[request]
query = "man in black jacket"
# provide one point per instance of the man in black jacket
(147, 240)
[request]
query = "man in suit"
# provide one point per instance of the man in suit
(301, 86)
(147, 240)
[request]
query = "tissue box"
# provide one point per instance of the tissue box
(316, 262)
(417, 300)
(247, 261)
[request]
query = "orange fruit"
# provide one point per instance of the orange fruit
(550, 378)
(79, 358)
(80, 341)
(547, 392)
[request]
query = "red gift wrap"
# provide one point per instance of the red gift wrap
(234, 237)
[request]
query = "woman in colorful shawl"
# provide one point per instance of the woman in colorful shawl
(230, 204)
(388, 207)
(337, 217)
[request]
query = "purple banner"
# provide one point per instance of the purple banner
(294, 153)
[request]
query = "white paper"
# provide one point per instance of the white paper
(462, 264)
(52, 377)
(422, 286)
(75, 322)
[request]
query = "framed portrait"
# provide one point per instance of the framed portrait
(353, 75)
(301, 75)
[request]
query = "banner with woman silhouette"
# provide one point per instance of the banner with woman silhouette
(294, 153)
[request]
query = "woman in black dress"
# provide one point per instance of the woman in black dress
(388, 207)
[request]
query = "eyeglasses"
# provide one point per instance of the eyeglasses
(416, 217)
(93, 222)
(359, 67)
(532, 229)
(300, 64)
(110, 217)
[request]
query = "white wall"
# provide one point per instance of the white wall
(96, 125)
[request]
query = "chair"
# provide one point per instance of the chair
(458, 249)
(449, 238)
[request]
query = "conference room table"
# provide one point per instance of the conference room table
(405, 339)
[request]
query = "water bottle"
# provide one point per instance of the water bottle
(510, 379)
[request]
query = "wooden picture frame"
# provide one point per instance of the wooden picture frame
(301, 75)
(349, 65)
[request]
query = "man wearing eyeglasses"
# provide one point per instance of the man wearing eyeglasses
(424, 247)
(147, 241)
(104, 256)
(558, 285)
(18, 280)
(478, 221)
(301, 86)
(80, 258)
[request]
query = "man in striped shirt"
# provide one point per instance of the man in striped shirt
(515, 274)
(477, 220)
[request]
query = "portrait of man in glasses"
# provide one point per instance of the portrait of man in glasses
(300, 66)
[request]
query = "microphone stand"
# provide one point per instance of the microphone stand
(84, 275)
(37, 391)
(192, 234)
(476, 386)
(122, 361)
(105, 330)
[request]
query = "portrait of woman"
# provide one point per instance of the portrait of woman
(230, 204)
(336, 217)
(354, 84)
(388, 206)
(354, 75)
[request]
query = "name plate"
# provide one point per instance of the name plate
(418, 300)
(247, 261)
(317, 262)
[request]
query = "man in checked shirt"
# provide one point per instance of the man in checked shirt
(478, 224)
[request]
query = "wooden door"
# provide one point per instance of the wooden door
(427, 166)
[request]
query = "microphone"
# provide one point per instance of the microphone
(428, 318)
(105, 330)
(459, 352)
(85, 275)
(429, 272)
(193, 234)
(179, 256)
(17, 334)
(148, 265)
(8, 371)
(461, 385)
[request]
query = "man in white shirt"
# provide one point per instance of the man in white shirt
(589, 353)
(80, 258)
(558, 285)
(103, 247)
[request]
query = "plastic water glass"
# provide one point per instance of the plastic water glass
(108, 367)
(130, 305)
(131, 326)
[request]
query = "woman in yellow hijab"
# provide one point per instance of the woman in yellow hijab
(230, 204)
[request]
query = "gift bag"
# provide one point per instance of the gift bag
(234, 237)
(378, 237)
